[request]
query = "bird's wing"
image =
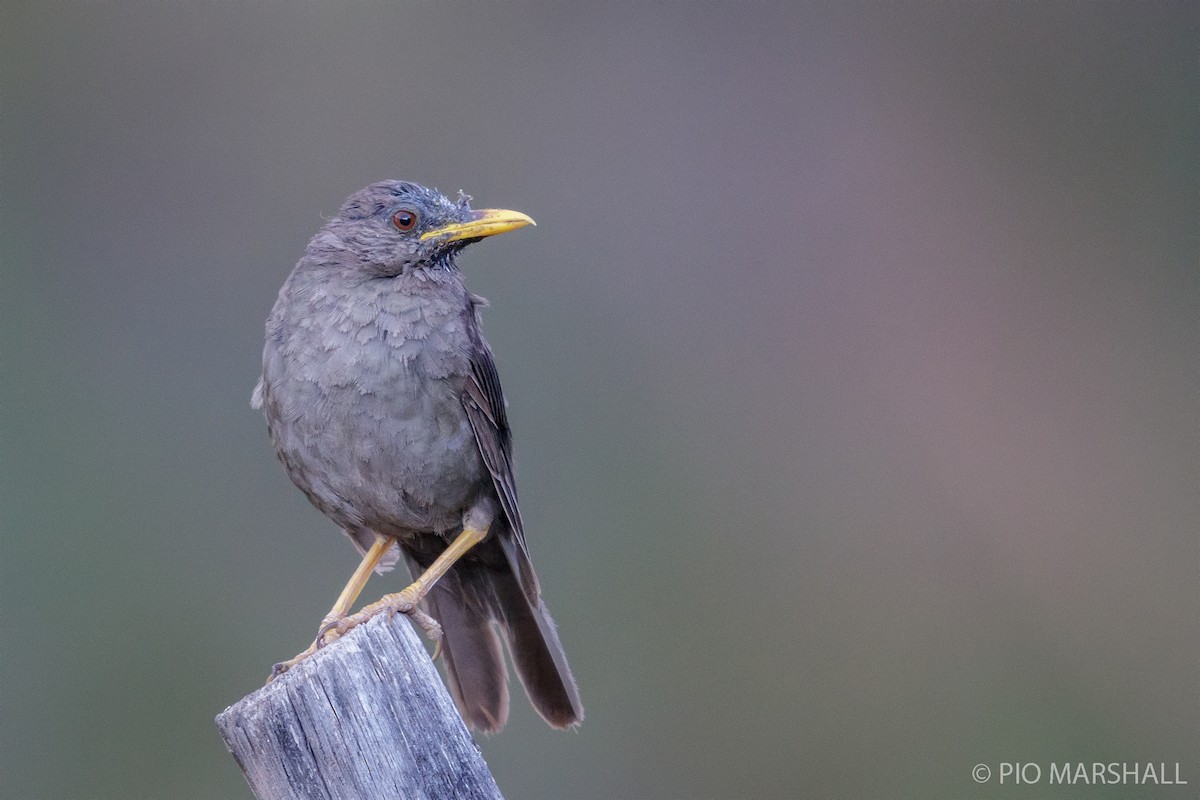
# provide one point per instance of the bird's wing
(484, 401)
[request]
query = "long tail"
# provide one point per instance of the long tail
(479, 595)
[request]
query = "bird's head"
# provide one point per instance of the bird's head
(394, 227)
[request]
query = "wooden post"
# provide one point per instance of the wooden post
(365, 717)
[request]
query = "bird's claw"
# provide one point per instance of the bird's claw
(284, 666)
(403, 602)
(335, 627)
(428, 624)
(330, 625)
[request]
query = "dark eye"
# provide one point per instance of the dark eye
(404, 219)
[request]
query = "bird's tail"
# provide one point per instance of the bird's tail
(477, 599)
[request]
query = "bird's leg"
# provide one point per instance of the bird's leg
(345, 600)
(354, 588)
(405, 601)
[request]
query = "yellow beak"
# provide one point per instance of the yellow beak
(481, 223)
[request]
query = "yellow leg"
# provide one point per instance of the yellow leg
(336, 623)
(406, 600)
(345, 600)
(359, 579)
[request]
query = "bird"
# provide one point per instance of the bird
(383, 403)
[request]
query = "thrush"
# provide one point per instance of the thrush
(383, 403)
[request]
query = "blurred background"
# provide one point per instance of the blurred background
(852, 367)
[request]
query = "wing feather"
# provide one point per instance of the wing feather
(483, 400)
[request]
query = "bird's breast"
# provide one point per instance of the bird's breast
(365, 408)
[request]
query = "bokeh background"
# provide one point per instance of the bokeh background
(852, 366)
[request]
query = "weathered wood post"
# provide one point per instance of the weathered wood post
(366, 717)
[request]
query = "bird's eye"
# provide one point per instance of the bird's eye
(404, 219)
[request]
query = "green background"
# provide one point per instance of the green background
(852, 367)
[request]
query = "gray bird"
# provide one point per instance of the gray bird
(383, 403)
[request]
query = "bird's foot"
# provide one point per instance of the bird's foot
(431, 627)
(335, 626)
(332, 627)
(284, 666)
(403, 602)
